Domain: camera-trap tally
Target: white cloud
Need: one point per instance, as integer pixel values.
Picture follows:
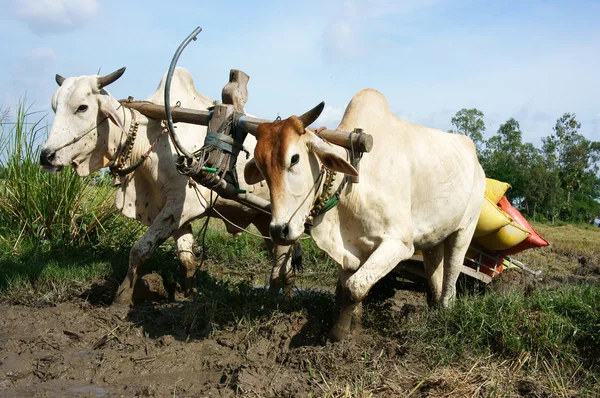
(43, 16)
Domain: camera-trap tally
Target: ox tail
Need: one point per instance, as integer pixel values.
(297, 257)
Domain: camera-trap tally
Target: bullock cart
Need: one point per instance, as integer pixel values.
(213, 166)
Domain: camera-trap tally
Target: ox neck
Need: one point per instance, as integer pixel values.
(125, 152)
(330, 191)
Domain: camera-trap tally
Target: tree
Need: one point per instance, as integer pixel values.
(469, 122)
(505, 158)
(575, 159)
(559, 180)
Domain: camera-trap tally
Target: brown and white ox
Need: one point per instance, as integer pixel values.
(420, 189)
(88, 130)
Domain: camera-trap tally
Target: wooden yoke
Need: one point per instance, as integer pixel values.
(236, 92)
(234, 96)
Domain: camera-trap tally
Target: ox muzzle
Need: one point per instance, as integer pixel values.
(280, 233)
(46, 159)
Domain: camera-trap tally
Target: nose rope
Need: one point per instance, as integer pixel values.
(89, 130)
(77, 138)
(315, 185)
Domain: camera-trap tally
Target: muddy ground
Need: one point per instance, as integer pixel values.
(83, 348)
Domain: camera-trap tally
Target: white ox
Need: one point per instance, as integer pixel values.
(89, 129)
(420, 189)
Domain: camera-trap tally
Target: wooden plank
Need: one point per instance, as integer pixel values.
(474, 274)
(157, 112)
(414, 265)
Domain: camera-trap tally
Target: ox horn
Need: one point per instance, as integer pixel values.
(59, 79)
(309, 117)
(104, 81)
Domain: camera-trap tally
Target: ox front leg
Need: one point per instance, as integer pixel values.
(184, 240)
(282, 272)
(350, 312)
(355, 286)
(165, 224)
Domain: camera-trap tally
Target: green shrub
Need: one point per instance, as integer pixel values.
(59, 210)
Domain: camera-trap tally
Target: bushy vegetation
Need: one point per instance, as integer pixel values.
(59, 210)
(557, 181)
(52, 226)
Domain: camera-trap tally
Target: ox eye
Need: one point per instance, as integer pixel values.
(295, 159)
(82, 108)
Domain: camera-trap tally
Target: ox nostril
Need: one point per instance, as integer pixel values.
(46, 157)
(279, 232)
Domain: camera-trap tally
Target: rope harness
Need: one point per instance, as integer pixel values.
(117, 167)
(217, 158)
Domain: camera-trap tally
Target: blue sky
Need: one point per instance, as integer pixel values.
(531, 60)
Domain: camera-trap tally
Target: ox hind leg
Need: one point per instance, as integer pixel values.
(355, 285)
(433, 261)
(184, 240)
(455, 248)
(165, 224)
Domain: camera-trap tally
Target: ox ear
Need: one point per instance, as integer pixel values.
(252, 174)
(329, 157)
(110, 112)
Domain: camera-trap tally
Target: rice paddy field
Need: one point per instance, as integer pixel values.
(64, 252)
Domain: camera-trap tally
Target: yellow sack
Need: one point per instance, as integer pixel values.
(495, 190)
(491, 218)
(505, 238)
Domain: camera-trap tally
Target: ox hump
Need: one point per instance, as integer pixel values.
(367, 104)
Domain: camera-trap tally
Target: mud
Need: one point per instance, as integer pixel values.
(80, 350)
(162, 347)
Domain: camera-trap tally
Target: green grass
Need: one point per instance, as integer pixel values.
(553, 331)
(59, 210)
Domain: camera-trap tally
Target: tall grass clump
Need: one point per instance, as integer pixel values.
(547, 327)
(59, 210)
